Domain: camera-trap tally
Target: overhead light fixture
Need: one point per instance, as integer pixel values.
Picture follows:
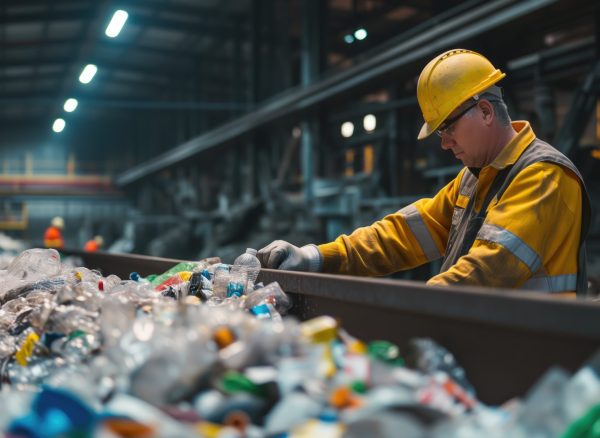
(360, 34)
(116, 23)
(348, 38)
(88, 73)
(58, 125)
(70, 105)
(369, 122)
(347, 129)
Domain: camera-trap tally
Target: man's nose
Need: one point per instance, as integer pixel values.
(447, 142)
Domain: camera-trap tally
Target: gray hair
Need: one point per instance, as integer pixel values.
(494, 96)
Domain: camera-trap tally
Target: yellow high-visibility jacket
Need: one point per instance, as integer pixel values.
(541, 211)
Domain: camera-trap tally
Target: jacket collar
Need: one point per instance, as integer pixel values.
(513, 150)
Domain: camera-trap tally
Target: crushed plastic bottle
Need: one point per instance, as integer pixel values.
(220, 280)
(237, 284)
(272, 295)
(250, 262)
(428, 356)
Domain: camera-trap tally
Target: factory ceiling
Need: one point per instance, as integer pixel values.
(209, 57)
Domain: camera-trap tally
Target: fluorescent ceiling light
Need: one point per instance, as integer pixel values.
(360, 34)
(116, 23)
(58, 125)
(88, 73)
(70, 105)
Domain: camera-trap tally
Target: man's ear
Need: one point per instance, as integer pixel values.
(487, 111)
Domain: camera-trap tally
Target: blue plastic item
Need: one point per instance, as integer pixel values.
(235, 289)
(55, 413)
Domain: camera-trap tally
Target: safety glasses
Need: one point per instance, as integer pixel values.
(446, 126)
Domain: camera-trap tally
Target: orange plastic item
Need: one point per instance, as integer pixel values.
(223, 336)
(238, 420)
(127, 428)
(342, 398)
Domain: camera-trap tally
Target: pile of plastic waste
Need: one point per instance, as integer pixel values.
(9, 248)
(202, 350)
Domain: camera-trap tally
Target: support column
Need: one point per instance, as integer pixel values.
(256, 42)
(311, 64)
(393, 165)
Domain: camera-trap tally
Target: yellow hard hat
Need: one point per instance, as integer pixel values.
(449, 80)
(58, 222)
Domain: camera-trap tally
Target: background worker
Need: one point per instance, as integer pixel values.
(94, 244)
(53, 235)
(515, 216)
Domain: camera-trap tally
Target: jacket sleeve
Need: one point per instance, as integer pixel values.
(408, 238)
(532, 230)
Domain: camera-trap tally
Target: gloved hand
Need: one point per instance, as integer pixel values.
(283, 255)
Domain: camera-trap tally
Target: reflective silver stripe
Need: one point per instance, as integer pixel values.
(510, 241)
(467, 183)
(417, 226)
(555, 283)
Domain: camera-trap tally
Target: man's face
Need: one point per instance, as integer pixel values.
(463, 134)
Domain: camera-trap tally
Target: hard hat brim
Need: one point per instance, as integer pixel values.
(426, 131)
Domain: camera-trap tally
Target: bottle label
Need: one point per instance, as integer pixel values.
(26, 349)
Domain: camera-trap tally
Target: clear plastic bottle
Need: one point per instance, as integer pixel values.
(221, 280)
(252, 264)
(271, 294)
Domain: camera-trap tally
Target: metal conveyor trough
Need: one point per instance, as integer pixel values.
(505, 340)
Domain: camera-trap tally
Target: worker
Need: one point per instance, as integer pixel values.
(516, 216)
(53, 234)
(94, 244)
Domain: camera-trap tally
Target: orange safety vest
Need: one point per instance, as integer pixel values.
(91, 246)
(53, 238)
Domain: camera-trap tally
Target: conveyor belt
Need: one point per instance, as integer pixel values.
(504, 339)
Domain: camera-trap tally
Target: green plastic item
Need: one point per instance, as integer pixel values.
(179, 267)
(359, 387)
(76, 334)
(386, 352)
(150, 277)
(587, 426)
(233, 382)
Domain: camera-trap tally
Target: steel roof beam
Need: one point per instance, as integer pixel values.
(224, 31)
(437, 38)
(217, 14)
(54, 15)
(166, 70)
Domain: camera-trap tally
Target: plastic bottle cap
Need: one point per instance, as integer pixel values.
(261, 309)
(223, 336)
(235, 289)
(340, 397)
(251, 251)
(320, 329)
(234, 382)
(359, 387)
(238, 420)
(328, 416)
(125, 427)
(386, 352)
(357, 347)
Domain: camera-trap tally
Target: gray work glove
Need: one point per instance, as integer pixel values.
(283, 255)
